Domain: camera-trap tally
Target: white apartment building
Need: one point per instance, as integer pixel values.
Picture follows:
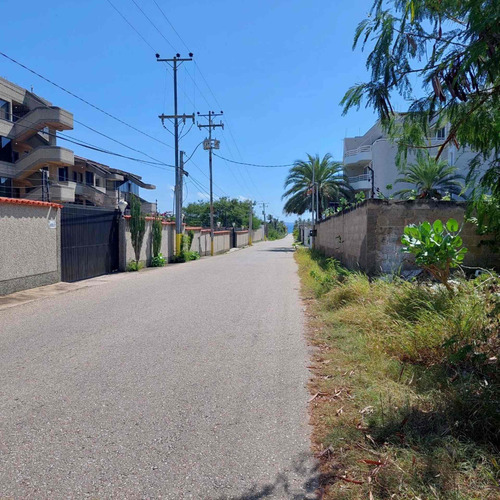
(370, 160)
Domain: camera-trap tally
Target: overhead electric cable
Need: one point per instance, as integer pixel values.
(84, 100)
(254, 164)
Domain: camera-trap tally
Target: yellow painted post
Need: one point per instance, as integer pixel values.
(178, 243)
(212, 247)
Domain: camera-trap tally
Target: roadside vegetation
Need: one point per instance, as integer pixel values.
(406, 387)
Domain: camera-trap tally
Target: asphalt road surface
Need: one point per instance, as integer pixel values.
(182, 382)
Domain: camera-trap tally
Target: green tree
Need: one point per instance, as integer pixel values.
(137, 227)
(451, 49)
(157, 234)
(329, 179)
(431, 178)
(226, 211)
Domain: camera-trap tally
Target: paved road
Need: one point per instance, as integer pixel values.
(182, 382)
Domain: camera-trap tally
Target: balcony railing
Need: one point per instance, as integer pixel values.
(361, 149)
(359, 178)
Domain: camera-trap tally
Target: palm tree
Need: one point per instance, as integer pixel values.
(432, 179)
(328, 177)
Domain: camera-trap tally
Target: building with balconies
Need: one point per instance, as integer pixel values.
(28, 131)
(370, 160)
(33, 166)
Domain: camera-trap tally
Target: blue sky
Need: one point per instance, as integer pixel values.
(278, 70)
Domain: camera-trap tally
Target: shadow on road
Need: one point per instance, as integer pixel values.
(278, 249)
(302, 468)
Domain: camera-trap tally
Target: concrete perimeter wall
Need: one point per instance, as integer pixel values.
(126, 251)
(242, 238)
(258, 234)
(201, 242)
(29, 244)
(368, 238)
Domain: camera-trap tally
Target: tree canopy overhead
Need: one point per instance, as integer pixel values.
(452, 49)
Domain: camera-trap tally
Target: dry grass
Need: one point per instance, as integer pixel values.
(406, 386)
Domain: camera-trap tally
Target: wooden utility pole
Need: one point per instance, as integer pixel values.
(174, 63)
(209, 144)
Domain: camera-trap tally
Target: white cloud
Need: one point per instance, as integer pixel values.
(243, 198)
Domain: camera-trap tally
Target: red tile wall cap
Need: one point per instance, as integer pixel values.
(242, 232)
(222, 232)
(23, 201)
(193, 228)
(205, 230)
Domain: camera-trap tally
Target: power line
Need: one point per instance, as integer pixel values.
(81, 141)
(154, 25)
(132, 26)
(244, 185)
(83, 100)
(254, 164)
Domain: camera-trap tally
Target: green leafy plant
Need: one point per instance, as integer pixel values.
(158, 260)
(437, 247)
(133, 266)
(185, 254)
(359, 197)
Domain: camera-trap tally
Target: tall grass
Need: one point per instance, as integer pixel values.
(422, 368)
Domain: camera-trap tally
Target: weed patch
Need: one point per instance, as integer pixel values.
(406, 386)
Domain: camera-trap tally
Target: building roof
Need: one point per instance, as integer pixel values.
(106, 170)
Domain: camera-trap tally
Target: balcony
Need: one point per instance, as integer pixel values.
(358, 156)
(41, 157)
(361, 182)
(60, 192)
(39, 118)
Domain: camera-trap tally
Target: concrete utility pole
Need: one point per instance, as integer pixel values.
(174, 63)
(264, 205)
(208, 144)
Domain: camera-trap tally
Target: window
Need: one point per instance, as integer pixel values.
(4, 110)
(89, 178)
(63, 174)
(98, 181)
(6, 153)
(451, 157)
(441, 132)
(75, 176)
(129, 187)
(5, 187)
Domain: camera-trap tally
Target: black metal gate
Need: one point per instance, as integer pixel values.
(89, 242)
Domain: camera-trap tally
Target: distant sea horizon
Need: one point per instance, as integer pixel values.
(289, 226)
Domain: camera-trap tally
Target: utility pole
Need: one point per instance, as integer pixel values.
(210, 145)
(174, 63)
(250, 224)
(313, 217)
(264, 205)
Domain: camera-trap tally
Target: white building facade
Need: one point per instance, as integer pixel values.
(370, 160)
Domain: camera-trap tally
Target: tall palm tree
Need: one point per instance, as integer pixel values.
(328, 177)
(432, 179)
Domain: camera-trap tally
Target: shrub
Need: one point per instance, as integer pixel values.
(158, 260)
(157, 234)
(134, 266)
(437, 248)
(186, 255)
(137, 227)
